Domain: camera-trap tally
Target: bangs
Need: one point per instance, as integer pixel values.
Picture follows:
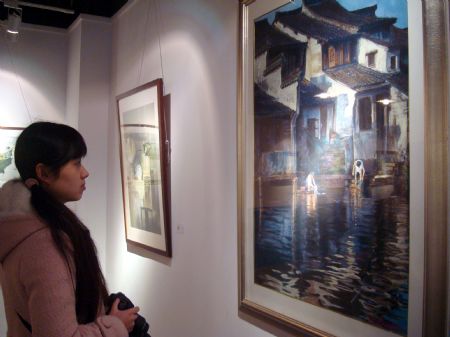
(70, 145)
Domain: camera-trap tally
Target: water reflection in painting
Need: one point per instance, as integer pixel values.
(332, 158)
(342, 250)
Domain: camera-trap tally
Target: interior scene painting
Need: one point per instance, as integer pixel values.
(142, 169)
(332, 157)
(8, 169)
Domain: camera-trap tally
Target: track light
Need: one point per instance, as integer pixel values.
(14, 20)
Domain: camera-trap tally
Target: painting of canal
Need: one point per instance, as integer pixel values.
(331, 157)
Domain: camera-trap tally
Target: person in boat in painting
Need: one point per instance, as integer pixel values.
(311, 185)
(358, 171)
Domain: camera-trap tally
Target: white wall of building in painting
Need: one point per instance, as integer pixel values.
(398, 118)
(366, 47)
(290, 32)
(313, 59)
(271, 83)
(260, 66)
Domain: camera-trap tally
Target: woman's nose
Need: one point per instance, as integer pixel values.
(84, 173)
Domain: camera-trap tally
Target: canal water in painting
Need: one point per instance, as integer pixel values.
(345, 249)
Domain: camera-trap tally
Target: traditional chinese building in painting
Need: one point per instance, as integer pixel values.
(338, 85)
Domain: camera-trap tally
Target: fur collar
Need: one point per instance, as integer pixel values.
(17, 217)
(15, 198)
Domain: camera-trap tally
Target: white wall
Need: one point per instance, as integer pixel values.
(73, 74)
(32, 84)
(91, 104)
(33, 76)
(194, 294)
(64, 78)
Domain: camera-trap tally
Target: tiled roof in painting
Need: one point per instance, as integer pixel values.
(301, 23)
(367, 11)
(290, 77)
(266, 105)
(360, 78)
(266, 37)
(400, 81)
(332, 10)
(398, 39)
(381, 42)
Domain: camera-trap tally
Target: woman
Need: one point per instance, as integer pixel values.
(50, 275)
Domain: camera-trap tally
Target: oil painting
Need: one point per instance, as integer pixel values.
(144, 167)
(330, 158)
(8, 137)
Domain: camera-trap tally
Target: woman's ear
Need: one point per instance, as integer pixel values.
(43, 173)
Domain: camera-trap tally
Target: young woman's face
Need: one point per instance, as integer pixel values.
(70, 184)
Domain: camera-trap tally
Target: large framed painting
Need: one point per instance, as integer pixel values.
(8, 137)
(144, 154)
(331, 134)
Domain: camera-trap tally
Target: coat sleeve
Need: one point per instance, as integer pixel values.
(50, 295)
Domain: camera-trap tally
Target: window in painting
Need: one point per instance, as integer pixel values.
(347, 53)
(393, 63)
(371, 59)
(331, 57)
(312, 125)
(340, 54)
(365, 114)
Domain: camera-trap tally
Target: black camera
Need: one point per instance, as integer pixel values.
(140, 324)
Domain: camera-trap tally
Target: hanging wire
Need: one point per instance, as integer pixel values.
(158, 24)
(145, 43)
(14, 69)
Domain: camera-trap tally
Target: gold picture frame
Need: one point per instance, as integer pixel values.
(428, 134)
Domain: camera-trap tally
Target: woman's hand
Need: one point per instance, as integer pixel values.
(127, 316)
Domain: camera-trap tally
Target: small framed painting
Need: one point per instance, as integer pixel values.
(144, 155)
(8, 137)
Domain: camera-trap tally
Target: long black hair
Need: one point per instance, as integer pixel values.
(54, 145)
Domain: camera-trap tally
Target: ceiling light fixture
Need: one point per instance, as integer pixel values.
(15, 14)
(14, 20)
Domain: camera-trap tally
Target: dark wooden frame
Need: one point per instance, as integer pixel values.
(435, 14)
(164, 151)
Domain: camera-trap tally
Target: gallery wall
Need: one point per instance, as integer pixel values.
(87, 109)
(32, 84)
(193, 46)
(64, 78)
(33, 76)
(195, 292)
(73, 77)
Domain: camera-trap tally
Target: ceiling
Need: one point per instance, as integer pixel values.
(45, 17)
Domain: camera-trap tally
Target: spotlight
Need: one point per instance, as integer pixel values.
(14, 20)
